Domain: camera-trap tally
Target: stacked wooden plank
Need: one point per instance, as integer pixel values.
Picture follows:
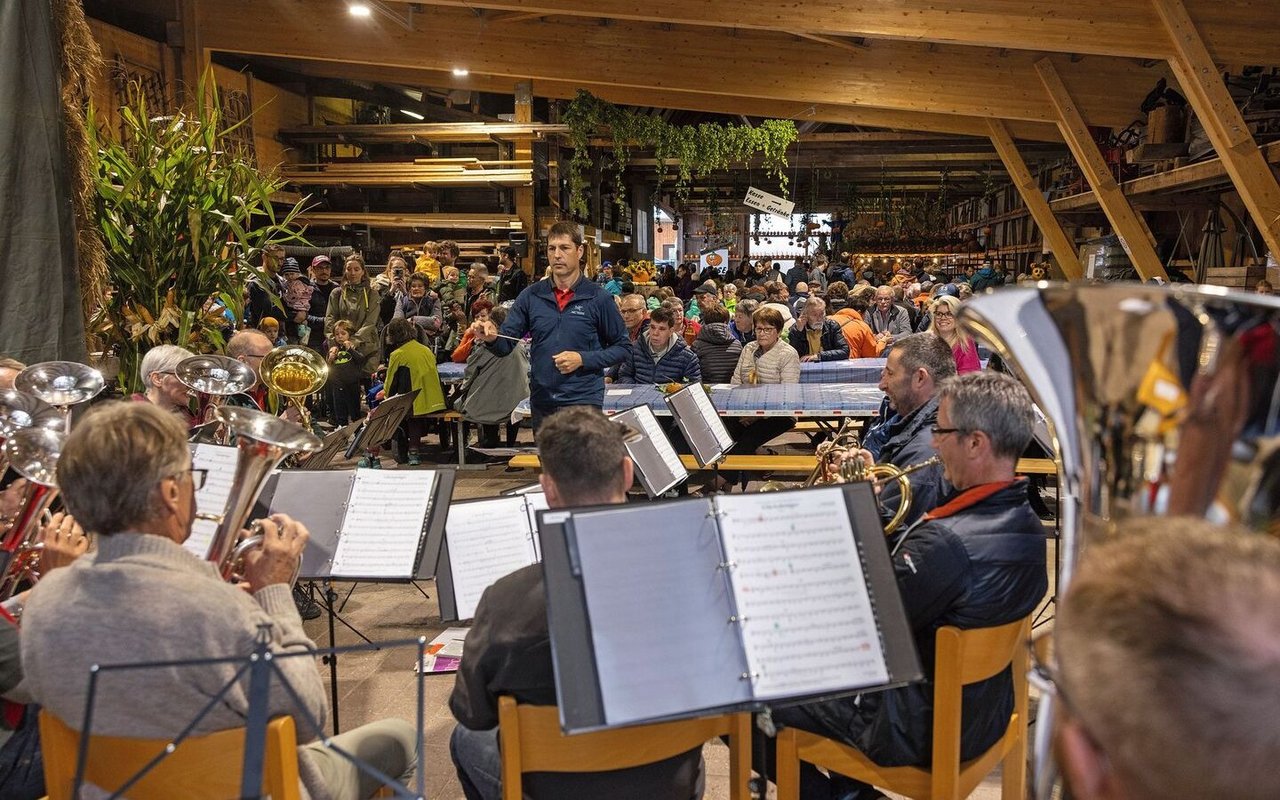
(448, 172)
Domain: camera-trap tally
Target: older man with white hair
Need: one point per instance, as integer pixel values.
(815, 337)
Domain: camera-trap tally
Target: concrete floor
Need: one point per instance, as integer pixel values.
(380, 684)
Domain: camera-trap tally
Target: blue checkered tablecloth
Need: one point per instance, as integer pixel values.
(854, 370)
(450, 372)
(774, 400)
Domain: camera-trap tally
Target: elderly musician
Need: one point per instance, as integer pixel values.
(976, 560)
(508, 650)
(126, 474)
(161, 386)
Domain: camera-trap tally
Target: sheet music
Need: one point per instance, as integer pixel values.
(220, 461)
(487, 540)
(808, 623)
(703, 429)
(659, 607)
(657, 461)
(384, 523)
(533, 503)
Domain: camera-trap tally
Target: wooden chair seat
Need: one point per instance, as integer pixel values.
(801, 464)
(963, 657)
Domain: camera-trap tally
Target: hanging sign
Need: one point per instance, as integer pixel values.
(769, 203)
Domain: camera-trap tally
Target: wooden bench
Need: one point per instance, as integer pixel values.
(802, 464)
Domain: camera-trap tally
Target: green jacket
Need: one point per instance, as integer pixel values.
(423, 376)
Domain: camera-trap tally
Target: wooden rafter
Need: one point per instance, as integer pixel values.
(841, 44)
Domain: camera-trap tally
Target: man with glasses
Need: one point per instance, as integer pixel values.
(977, 560)
(1166, 653)
(125, 473)
(635, 315)
(250, 347)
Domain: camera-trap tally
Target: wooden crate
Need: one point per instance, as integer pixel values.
(1235, 277)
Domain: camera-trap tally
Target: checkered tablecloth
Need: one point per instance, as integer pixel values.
(855, 370)
(450, 372)
(813, 400)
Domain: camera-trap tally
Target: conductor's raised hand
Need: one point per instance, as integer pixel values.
(283, 540)
(484, 330)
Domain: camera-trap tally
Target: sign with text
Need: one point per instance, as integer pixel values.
(769, 203)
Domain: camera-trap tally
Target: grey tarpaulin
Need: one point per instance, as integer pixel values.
(40, 316)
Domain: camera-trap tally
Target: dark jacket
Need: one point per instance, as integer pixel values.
(986, 278)
(910, 442)
(263, 299)
(679, 364)
(512, 283)
(979, 567)
(508, 651)
(717, 352)
(795, 275)
(743, 337)
(315, 315)
(834, 346)
(590, 325)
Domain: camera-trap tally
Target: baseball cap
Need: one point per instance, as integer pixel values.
(707, 287)
(318, 260)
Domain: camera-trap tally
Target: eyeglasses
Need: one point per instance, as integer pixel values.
(198, 477)
(936, 431)
(766, 329)
(943, 314)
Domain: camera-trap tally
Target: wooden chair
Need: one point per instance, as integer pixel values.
(532, 742)
(201, 767)
(963, 657)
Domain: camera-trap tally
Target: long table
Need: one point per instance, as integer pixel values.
(852, 370)
(810, 400)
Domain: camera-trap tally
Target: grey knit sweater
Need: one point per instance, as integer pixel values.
(144, 598)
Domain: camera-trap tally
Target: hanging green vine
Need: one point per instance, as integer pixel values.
(701, 149)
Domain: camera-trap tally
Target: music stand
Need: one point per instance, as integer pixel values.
(334, 443)
(382, 422)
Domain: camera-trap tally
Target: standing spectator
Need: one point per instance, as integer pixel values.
(986, 277)
(660, 356)
(887, 320)
(265, 290)
(817, 338)
(356, 302)
(798, 273)
(412, 366)
(296, 296)
(492, 387)
(512, 279)
(686, 283)
(318, 305)
(717, 350)
(419, 307)
(343, 386)
(817, 278)
(447, 253)
(577, 330)
(963, 348)
(394, 287)
(270, 327)
(742, 327)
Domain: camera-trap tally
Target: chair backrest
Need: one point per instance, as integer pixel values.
(533, 742)
(965, 657)
(206, 766)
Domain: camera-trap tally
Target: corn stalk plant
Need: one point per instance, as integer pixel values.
(183, 221)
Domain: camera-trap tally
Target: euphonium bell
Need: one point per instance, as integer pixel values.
(60, 383)
(33, 453)
(20, 410)
(294, 371)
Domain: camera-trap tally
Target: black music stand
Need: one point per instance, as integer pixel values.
(381, 424)
(334, 444)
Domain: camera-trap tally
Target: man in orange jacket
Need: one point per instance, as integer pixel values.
(862, 342)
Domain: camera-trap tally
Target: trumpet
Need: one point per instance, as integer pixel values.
(293, 371)
(263, 441)
(212, 379)
(33, 453)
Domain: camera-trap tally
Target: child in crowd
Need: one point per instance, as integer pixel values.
(270, 327)
(344, 374)
(296, 297)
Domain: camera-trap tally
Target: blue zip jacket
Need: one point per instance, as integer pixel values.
(678, 365)
(590, 325)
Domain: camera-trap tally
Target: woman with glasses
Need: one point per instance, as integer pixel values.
(943, 325)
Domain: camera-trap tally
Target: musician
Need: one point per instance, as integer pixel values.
(976, 560)
(251, 346)
(161, 386)
(1164, 664)
(125, 472)
(916, 366)
(9, 369)
(508, 651)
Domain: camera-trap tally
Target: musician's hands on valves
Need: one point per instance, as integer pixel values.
(283, 540)
(63, 541)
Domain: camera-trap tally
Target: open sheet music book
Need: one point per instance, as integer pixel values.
(657, 463)
(485, 540)
(668, 610)
(701, 425)
(220, 462)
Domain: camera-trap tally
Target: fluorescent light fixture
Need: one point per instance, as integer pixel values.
(361, 10)
(604, 244)
(413, 114)
(459, 72)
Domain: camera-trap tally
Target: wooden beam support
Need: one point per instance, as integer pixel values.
(839, 44)
(1199, 78)
(1129, 226)
(1063, 248)
(517, 16)
(524, 150)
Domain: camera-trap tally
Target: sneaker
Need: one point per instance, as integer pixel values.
(307, 608)
(414, 461)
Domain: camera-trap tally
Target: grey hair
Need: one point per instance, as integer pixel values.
(815, 302)
(161, 358)
(582, 452)
(747, 306)
(924, 350)
(113, 460)
(993, 403)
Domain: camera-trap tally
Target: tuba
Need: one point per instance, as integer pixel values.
(294, 371)
(212, 379)
(61, 384)
(33, 453)
(1159, 400)
(263, 441)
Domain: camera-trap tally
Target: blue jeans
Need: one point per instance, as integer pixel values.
(478, 761)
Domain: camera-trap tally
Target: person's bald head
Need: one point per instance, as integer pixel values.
(9, 369)
(249, 346)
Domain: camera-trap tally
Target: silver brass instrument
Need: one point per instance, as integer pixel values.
(1160, 400)
(61, 384)
(213, 379)
(263, 441)
(33, 453)
(20, 410)
(294, 371)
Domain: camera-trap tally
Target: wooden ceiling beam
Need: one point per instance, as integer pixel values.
(894, 75)
(1234, 32)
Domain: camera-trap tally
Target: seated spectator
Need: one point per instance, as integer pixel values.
(660, 356)
(161, 386)
(480, 311)
(412, 366)
(741, 326)
(857, 334)
(1262, 287)
(776, 297)
(635, 315)
(706, 293)
(1163, 665)
(817, 338)
(730, 291)
(492, 387)
(963, 348)
(717, 350)
(887, 320)
(798, 299)
(686, 328)
(767, 359)
(419, 307)
(427, 265)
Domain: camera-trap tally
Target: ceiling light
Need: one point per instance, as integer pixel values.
(361, 10)
(459, 72)
(413, 114)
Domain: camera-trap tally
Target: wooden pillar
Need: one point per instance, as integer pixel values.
(1135, 236)
(1200, 80)
(195, 58)
(524, 152)
(1059, 244)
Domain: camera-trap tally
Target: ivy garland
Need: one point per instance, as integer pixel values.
(701, 149)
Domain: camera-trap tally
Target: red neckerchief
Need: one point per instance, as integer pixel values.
(563, 296)
(969, 497)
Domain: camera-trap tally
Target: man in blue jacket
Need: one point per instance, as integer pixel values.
(576, 329)
(660, 356)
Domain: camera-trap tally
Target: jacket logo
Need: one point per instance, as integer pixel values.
(577, 311)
